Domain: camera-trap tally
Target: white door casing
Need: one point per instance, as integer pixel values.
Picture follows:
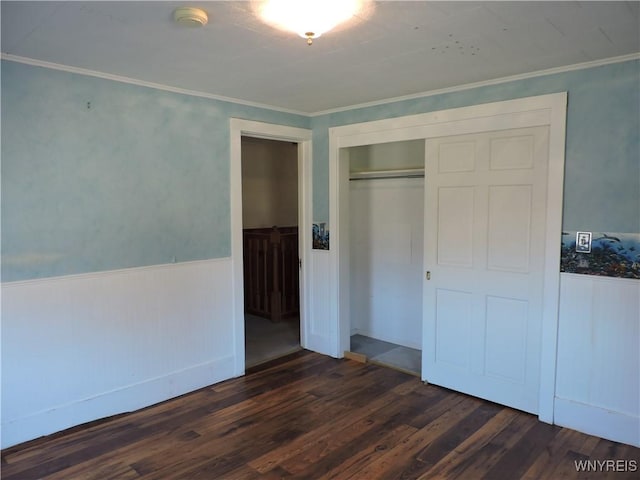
(546, 111)
(485, 211)
(302, 137)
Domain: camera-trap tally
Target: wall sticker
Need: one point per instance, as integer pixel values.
(320, 236)
(611, 255)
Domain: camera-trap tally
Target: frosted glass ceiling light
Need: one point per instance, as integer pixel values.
(308, 18)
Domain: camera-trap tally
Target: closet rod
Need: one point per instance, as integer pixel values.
(383, 174)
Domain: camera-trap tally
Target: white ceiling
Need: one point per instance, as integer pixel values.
(403, 48)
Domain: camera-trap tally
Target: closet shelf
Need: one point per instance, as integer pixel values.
(381, 174)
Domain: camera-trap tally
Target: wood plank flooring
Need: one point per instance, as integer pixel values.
(308, 416)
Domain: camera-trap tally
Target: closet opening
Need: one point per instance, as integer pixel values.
(270, 248)
(386, 229)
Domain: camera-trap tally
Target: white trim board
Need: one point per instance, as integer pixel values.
(486, 83)
(526, 112)
(302, 137)
(142, 83)
(428, 93)
(117, 271)
(121, 400)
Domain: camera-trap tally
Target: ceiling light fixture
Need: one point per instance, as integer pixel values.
(190, 16)
(308, 18)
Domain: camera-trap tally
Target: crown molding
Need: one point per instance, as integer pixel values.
(143, 83)
(428, 93)
(496, 81)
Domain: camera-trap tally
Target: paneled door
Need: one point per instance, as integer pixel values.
(485, 204)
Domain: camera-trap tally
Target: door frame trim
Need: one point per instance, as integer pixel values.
(550, 110)
(239, 128)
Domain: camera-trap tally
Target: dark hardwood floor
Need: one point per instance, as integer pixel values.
(308, 416)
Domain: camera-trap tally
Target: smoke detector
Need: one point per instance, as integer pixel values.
(190, 16)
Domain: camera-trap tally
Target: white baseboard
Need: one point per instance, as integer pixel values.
(122, 400)
(616, 426)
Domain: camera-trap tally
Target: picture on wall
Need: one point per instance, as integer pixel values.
(320, 236)
(610, 254)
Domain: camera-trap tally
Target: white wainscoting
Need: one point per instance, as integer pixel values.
(83, 347)
(321, 333)
(598, 369)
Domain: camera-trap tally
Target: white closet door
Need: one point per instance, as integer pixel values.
(484, 251)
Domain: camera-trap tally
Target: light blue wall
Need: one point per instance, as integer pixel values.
(142, 176)
(602, 175)
(138, 177)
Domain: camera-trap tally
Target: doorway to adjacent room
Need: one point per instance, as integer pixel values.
(270, 248)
